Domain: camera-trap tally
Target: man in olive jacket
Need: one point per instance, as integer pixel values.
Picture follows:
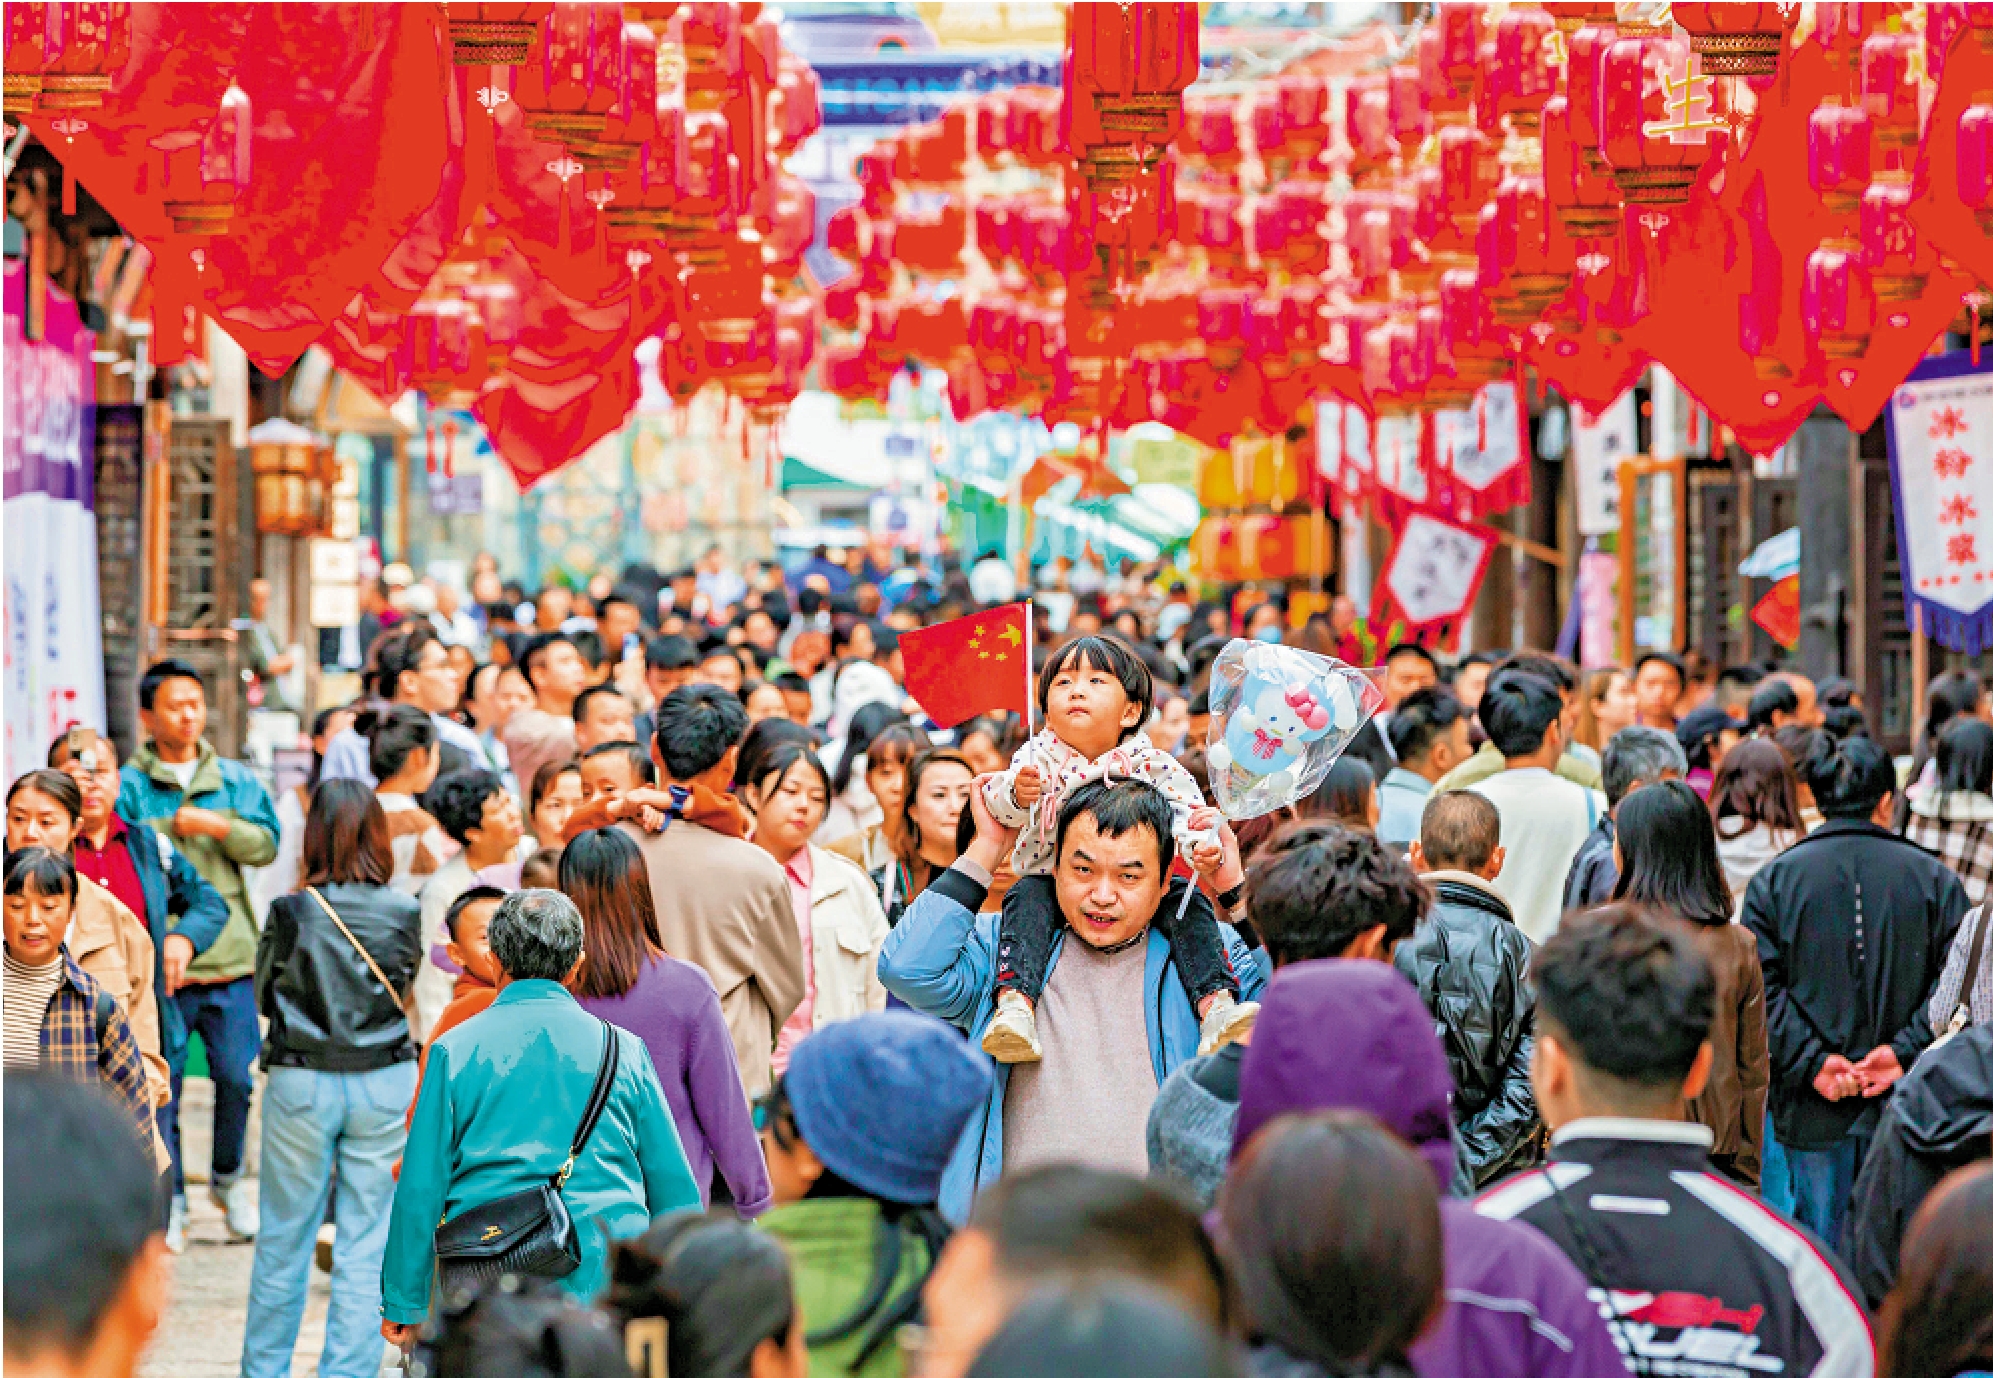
(221, 819)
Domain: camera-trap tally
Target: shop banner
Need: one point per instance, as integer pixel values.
(1940, 422)
(1432, 577)
(54, 630)
(1599, 445)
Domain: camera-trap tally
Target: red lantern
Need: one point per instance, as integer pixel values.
(1467, 171)
(1734, 39)
(1975, 159)
(1836, 301)
(708, 33)
(1894, 254)
(1457, 59)
(1889, 88)
(1583, 199)
(1222, 313)
(1527, 248)
(494, 35)
(1134, 61)
(632, 114)
(567, 95)
(1211, 132)
(1943, 20)
(724, 295)
(25, 55)
(1476, 347)
(1837, 154)
(83, 43)
(1582, 75)
(1839, 26)
(795, 105)
(1656, 113)
(1367, 123)
(1523, 78)
(1411, 121)
(202, 186)
(1572, 15)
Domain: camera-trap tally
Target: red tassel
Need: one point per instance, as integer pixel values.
(429, 449)
(68, 192)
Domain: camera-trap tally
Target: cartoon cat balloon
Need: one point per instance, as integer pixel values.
(1279, 718)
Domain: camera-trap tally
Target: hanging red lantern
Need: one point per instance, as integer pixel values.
(1522, 77)
(83, 43)
(1942, 23)
(1889, 88)
(204, 179)
(1211, 133)
(1457, 58)
(1840, 26)
(632, 114)
(1974, 159)
(724, 295)
(1468, 172)
(1836, 300)
(1657, 113)
(1583, 72)
(1584, 200)
(708, 33)
(1367, 124)
(1411, 120)
(792, 227)
(1474, 345)
(1734, 39)
(1837, 154)
(1895, 255)
(494, 35)
(25, 53)
(566, 95)
(1134, 60)
(1527, 248)
(1572, 15)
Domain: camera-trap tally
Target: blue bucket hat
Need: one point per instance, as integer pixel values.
(882, 1100)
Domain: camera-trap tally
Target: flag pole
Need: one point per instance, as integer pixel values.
(1030, 622)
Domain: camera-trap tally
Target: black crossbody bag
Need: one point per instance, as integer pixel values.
(529, 1231)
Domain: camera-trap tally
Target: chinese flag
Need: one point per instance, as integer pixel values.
(975, 664)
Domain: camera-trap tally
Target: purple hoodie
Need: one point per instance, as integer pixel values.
(675, 1011)
(1354, 1035)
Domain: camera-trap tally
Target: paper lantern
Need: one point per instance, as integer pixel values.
(1836, 300)
(25, 53)
(203, 179)
(709, 35)
(1837, 154)
(1527, 247)
(1584, 199)
(1582, 74)
(494, 35)
(1943, 21)
(1840, 26)
(1734, 39)
(1889, 88)
(1897, 260)
(566, 95)
(1473, 344)
(724, 295)
(1522, 77)
(1974, 158)
(1457, 56)
(1572, 15)
(1468, 173)
(1367, 123)
(1411, 120)
(1211, 132)
(1656, 115)
(1134, 60)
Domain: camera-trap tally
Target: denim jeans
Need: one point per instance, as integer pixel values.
(1775, 1185)
(224, 1015)
(1822, 1181)
(314, 1122)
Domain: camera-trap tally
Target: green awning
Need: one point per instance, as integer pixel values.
(797, 475)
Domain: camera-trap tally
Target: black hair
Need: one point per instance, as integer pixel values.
(1517, 709)
(536, 648)
(1562, 675)
(1774, 696)
(1835, 691)
(1345, 794)
(866, 723)
(158, 673)
(719, 1287)
(40, 871)
(1669, 659)
(525, 1328)
(1421, 719)
(1073, 1221)
(619, 594)
(456, 801)
(477, 894)
(1337, 1245)
(884, 641)
(1844, 720)
(1848, 778)
(589, 695)
(776, 763)
(396, 653)
(56, 784)
(1108, 653)
(1107, 1329)
(74, 1237)
(1700, 730)
(789, 682)
(670, 653)
(1316, 888)
(1459, 831)
(641, 765)
(1116, 806)
(1628, 994)
(1667, 846)
(762, 738)
(1411, 648)
(589, 647)
(1965, 757)
(697, 725)
(394, 732)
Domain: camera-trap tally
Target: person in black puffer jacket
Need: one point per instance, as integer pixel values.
(1471, 965)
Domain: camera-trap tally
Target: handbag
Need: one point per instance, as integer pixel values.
(527, 1231)
(1961, 1015)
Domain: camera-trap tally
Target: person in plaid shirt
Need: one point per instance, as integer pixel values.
(1953, 820)
(52, 1013)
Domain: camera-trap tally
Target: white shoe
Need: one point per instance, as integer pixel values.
(237, 1201)
(1012, 1035)
(1227, 1021)
(176, 1227)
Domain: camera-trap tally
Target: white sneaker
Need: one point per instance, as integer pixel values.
(1227, 1021)
(1012, 1035)
(176, 1227)
(237, 1201)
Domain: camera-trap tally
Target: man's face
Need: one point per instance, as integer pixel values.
(862, 646)
(1452, 746)
(610, 718)
(499, 825)
(1406, 675)
(259, 599)
(1809, 713)
(720, 668)
(1469, 684)
(1108, 887)
(797, 703)
(618, 621)
(561, 670)
(432, 685)
(555, 606)
(760, 629)
(471, 948)
(1657, 689)
(515, 695)
(179, 714)
(662, 682)
(606, 777)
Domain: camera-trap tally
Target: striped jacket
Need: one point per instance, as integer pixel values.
(86, 1037)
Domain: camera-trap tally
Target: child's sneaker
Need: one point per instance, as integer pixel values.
(1227, 1021)
(1013, 1032)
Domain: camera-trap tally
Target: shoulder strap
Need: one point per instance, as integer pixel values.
(598, 1098)
(365, 955)
(1972, 957)
(101, 1010)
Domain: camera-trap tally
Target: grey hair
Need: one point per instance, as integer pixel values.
(536, 935)
(1640, 756)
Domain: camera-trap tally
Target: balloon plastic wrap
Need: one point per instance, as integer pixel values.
(1279, 718)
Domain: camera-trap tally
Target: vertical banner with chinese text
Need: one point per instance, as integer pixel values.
(1940, 422)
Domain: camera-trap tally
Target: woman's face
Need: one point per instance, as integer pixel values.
(334, 725)
(1616, 708)
(938, 803)
(887, 779)
(515, 695)
(983, 753)
(556, 806)
(789, 811)
(36, 926)
(1173, 721)
(766, 702)
(35, 820)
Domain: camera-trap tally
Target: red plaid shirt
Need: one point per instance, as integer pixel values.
(70, 1044)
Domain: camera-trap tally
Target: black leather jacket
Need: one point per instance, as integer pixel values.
(327, 1009)
(1471, 965)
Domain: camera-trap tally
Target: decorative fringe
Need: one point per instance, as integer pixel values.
(1967, 632)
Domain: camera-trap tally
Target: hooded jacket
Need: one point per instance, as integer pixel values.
(1940, 1118)
(1354, 1035)
(1471, 965)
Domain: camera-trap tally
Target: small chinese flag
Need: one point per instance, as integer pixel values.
(975, 664)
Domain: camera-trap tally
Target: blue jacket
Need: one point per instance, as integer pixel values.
(177, 900)
(941, 960)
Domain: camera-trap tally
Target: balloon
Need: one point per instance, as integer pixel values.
(1279, 718)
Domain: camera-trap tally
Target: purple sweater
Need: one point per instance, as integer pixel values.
(674, 1009)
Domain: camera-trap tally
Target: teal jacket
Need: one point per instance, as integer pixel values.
(501, 1098)
(149, 794)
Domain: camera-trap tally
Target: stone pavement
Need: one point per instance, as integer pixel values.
(202, 1333)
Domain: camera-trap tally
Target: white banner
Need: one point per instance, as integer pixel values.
(1941, 441)
(1598, 446)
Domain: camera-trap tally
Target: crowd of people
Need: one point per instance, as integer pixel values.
(643, 983)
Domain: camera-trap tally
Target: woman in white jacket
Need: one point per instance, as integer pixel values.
(837, 912)
(1755, 802)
